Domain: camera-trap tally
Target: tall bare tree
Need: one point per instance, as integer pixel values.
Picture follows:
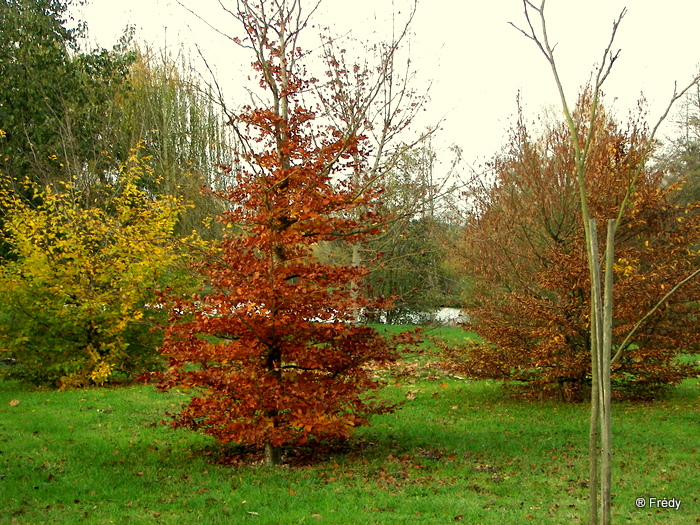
(601, 287)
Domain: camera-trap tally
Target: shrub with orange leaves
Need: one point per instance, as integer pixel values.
(524, 249)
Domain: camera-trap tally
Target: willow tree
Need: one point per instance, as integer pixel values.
(166, 108)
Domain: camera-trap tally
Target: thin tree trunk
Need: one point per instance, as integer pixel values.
(593, 457)
(355, 290)
(596, 398)
(601, 351)
(593, 436)
(606, 404)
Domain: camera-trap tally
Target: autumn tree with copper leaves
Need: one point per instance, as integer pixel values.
(270, 347)
(523, 249)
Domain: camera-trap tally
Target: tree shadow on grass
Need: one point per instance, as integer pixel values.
(311, 454)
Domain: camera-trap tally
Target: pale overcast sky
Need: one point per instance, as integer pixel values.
(476, 61)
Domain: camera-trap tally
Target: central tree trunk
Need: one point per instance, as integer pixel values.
(273, 455)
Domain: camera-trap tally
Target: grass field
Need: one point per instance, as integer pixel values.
(456, 451)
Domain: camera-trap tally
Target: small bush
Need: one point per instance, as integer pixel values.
(76, 292)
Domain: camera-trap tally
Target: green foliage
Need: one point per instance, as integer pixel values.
(71, 114)
(53, 100)
(683, 153)
(164, 107)
(408, 257)
(79, 297)
(413, 267)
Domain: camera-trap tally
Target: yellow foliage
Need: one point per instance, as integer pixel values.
(625, 267)
(83, 277)
(101, 372)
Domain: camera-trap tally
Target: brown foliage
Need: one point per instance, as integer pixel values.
(270, 347)
(524, 250)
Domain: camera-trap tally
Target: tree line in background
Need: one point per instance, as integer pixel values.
(84, 130)
(132, 198)
(75, 116)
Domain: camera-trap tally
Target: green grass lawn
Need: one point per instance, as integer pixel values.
(457, 450)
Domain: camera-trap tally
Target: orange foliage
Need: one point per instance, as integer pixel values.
(524, 249)
(270, 347)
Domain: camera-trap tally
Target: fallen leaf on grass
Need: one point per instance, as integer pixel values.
(486, 468)
(411, 394)
(14, 402)
(317, 516)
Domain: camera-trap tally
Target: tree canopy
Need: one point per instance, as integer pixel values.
(531, 295)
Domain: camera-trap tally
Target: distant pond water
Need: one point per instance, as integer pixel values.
(441, 316)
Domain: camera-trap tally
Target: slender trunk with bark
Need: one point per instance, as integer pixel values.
(601, 351)
(596, 365)
(606, 403)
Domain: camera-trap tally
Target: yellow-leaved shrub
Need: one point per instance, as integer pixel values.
(80, 287)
